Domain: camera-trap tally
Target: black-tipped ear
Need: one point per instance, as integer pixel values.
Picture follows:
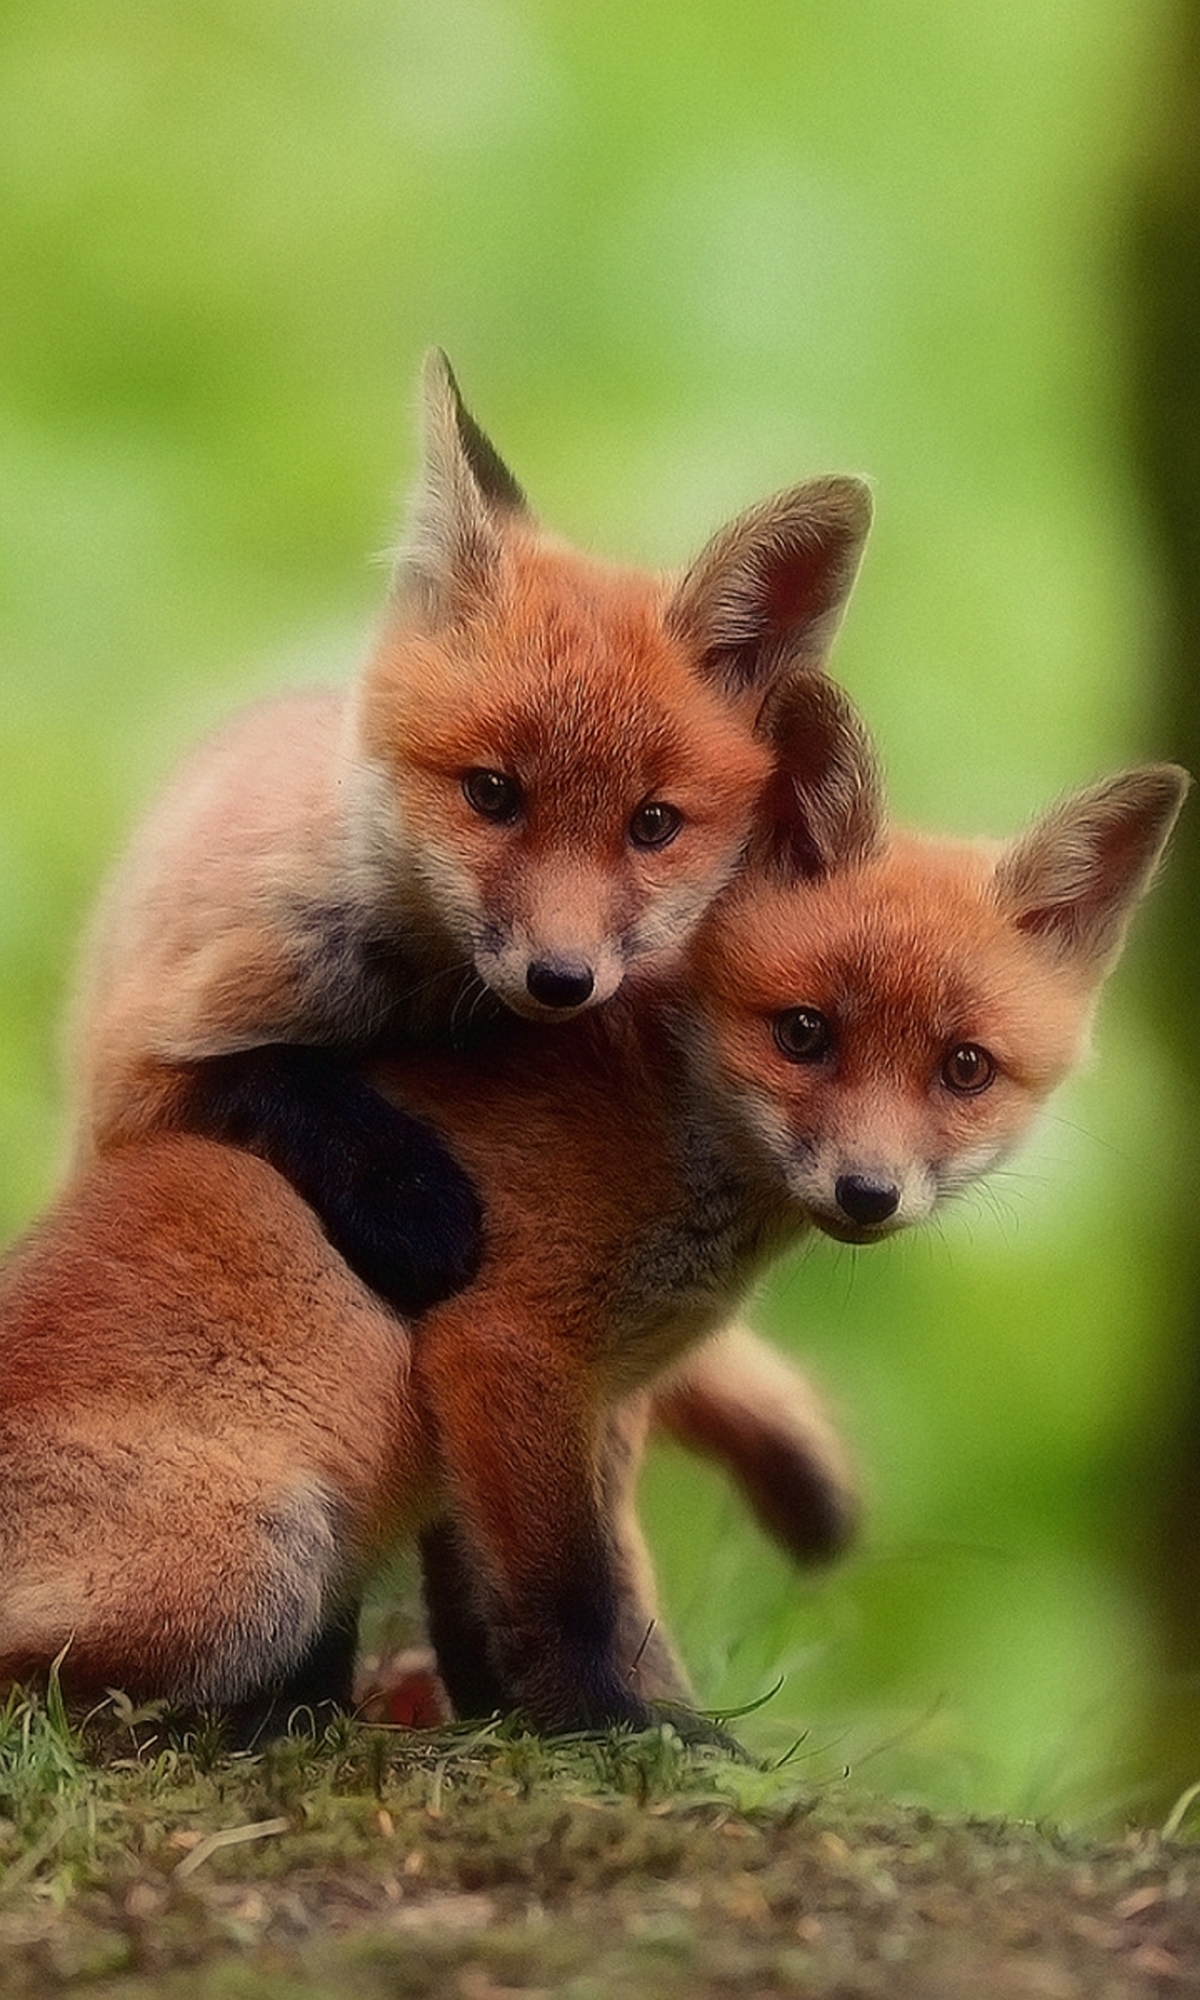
(463, 497)
(824, 807)
(766, 595)
(445, 407)
(1076, 876)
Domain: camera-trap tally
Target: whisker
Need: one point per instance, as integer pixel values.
(451, 971)
(481, 998)
(473, 995)
(1093, 1138)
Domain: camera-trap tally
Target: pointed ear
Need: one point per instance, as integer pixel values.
(1076, 876)
(823, 809)
(767, 594)
(464, 496)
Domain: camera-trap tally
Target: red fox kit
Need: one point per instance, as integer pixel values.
(208, 1428)
(546, 771)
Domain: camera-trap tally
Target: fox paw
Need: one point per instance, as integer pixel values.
(404, 1690)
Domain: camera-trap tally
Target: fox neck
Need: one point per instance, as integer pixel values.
(693, 1264)
(688, 1271)
(416, 974)
(722, 1161)
(730, 1186)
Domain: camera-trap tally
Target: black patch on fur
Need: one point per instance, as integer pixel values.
(552, 1658)
(798, 1501)
(392, 1199)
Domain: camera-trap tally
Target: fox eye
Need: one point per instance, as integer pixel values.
(491, 794)
(655, 824)
(968, 1069)
(803, 1035)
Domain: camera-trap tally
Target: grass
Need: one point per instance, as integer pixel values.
(481, 1862)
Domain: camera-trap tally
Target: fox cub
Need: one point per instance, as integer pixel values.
(544, 774)
(209, 1428)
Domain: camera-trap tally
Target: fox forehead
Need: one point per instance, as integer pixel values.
(565, 677)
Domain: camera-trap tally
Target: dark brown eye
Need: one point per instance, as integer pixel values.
(655, 824)
(803, 1035)
(968, 1069)
(492, 795)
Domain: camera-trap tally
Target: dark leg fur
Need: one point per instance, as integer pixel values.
(458, 1631)
(568, 1675)
(563, 1660)
(568, 1678)
(797, 1500)
(394, 1202)
(320, 1686)
(560, 1673)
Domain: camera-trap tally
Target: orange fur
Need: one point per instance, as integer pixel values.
(206, 1429)
(322, 870)
(316, 873)
(638, 1169)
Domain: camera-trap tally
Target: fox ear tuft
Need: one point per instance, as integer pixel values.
(464, 496)
(766, 596)
(1076, 876)
(453, 437)
(823, 808)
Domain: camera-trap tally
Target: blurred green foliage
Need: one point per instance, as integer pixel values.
(680, 257)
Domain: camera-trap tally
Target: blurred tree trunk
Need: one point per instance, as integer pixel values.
(1165, 302)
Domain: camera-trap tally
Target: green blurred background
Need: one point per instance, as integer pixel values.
(681, 256)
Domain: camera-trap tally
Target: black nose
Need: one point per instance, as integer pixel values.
(865, 1200)
(560, 982)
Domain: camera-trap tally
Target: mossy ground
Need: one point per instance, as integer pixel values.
(479, 1864)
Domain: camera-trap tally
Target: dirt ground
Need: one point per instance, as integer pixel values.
(479, 1870)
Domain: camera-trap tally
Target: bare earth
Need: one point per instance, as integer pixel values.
(378, 1863)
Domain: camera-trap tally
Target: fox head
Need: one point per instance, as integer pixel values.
(886, 1013)
(556, 763)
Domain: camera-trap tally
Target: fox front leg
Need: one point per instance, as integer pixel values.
(456, 1610)
(456, 1618)
(521, 1444)
(393, 1201)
